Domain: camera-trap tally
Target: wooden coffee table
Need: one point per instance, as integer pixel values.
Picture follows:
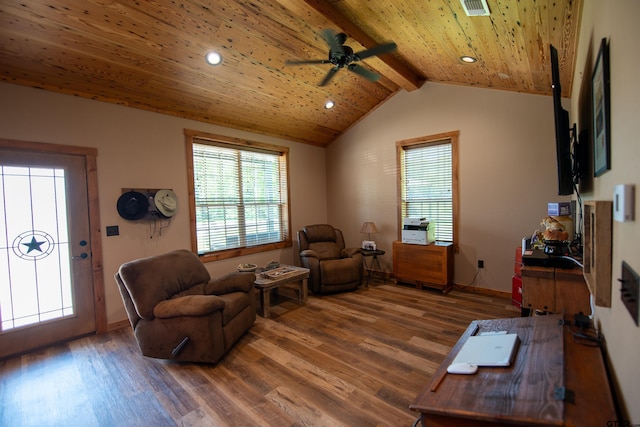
(279, 276)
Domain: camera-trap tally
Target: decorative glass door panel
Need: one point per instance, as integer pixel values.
(35, 246)
(46, 291)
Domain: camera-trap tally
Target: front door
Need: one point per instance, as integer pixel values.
(46, 282)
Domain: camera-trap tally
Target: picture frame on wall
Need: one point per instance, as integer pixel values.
(601, 117)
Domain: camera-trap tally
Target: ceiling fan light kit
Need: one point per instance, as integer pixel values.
(342, 56)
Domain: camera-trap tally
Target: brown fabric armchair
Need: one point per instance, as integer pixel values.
(332, 267)
(178, 312)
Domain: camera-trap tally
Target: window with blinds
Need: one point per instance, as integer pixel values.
(428, 168)
(240, 196)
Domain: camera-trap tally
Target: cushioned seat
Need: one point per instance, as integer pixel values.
(332, 267)
(178, 312)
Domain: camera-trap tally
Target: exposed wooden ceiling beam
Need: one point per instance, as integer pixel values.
(398, 72)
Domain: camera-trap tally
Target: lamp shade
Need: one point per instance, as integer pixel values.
(369, 228)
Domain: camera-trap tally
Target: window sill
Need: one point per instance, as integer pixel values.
(237, 252)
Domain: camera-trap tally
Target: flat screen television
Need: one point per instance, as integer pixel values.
(563, 132)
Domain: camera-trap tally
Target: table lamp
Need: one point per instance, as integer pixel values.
(369, 228)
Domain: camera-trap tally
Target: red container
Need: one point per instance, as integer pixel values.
(516, 291)
(518, 261)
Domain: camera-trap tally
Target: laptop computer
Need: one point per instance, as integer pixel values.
(493, 349)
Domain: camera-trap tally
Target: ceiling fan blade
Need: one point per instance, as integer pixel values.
(361, 71)
(329, 76)
(329, 36)
(307, 61)
(377, 50)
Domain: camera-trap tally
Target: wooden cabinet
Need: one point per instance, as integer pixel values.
(556, 290)
(424, 265)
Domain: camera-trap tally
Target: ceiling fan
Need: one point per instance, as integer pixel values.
(341, 56)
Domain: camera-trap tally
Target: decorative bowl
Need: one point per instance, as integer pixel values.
(247, 267)
(272, 265)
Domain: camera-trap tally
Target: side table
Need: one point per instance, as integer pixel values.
(374, 261)
(288, 274)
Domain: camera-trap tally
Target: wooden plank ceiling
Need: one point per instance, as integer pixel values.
(150, 54)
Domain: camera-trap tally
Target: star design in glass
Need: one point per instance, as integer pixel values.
(34, 245)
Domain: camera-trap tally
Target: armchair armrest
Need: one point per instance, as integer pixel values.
(191, 305)
(232, 282)
(308, 253)
(309, 259)
(350, 252)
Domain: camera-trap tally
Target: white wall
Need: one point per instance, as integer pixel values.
(617, 21)
(507, 171)
(141, 149)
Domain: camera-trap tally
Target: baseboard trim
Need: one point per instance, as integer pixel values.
(118, 325)
(483, 291)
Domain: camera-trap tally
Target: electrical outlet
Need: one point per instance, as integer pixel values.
(480, 263)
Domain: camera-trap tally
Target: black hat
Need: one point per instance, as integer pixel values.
(133, 205)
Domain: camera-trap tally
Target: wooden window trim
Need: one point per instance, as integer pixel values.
(190, 136)
(402, 145)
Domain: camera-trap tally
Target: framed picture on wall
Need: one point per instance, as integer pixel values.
(601, 118)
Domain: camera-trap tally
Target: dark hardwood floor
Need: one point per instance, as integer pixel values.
(353, 359)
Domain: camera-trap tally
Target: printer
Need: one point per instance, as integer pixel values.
(418, 231)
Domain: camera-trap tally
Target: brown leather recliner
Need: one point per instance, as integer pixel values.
(333, 268)
(178, 312)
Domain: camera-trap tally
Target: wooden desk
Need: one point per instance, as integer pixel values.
(524, 393)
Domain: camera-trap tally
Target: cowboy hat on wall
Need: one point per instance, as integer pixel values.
(166, 203)
(135, 204)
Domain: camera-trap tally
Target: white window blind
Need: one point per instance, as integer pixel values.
(240, 197)
(428, 186)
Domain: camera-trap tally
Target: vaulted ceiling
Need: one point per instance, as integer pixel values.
(150, 54)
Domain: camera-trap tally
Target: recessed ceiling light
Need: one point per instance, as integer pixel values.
(329, 104)
(213, 58)
(468, 59)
